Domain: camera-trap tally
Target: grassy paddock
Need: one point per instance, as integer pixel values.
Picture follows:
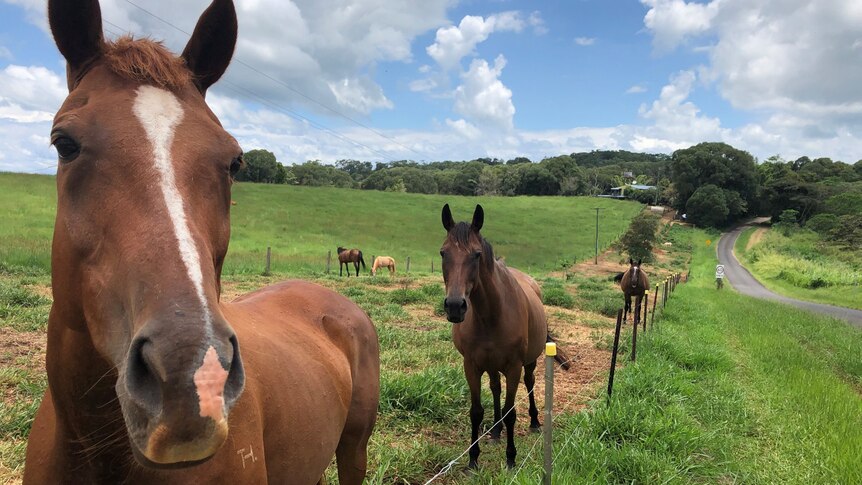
(302, 224)
(800, 267)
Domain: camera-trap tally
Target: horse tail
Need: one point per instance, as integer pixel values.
(361, 260)
(562, 358)
(619, 276)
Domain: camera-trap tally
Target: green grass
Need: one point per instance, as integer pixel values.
(302, 224)
(801, 267)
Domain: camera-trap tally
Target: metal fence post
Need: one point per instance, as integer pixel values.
(614, 354)
(550, 352)
(654, 301)
(328, 260)
(645, 308)
(635, 340)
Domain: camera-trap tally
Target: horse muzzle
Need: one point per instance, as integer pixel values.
(176, 396)
(456, 309)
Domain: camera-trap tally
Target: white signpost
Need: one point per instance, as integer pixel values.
(719, 271)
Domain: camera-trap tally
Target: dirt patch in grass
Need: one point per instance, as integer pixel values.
(756, 237)
(24, 350)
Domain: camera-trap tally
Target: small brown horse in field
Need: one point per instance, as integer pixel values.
(499, 325)
(346, 256)
(383, 262)
(151, 378)
(634, 282)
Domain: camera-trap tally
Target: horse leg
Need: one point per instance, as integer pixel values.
(351, 454)
(494, 377)
(530, 381)
(356, 265)
(628, 308)
(340, 265)
(637, 311)
(513, 378)
(474, 378)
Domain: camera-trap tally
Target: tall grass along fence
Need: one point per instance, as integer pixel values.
(666, 289)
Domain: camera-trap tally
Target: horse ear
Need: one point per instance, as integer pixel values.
(448, 222)
(631, 262)
(639, 262)
(77, 30)
(210, 48)
(478, 217)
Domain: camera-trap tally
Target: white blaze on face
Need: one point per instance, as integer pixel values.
(160, 112)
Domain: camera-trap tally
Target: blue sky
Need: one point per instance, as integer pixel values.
(440, 79)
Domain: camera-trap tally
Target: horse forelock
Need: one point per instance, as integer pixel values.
(460, 235)
(146, 61)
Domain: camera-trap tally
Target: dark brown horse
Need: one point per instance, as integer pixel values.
(151, 378)
(634, 282)
(500, 325)
(346, 256)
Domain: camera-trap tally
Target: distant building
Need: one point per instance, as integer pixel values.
(619, 192)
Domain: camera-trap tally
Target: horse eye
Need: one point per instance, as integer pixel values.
(235, 165)
(67, 148)
(477, 254)
(442, 254)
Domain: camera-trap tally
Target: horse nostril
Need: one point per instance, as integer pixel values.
(463, 305)
(142, 381)
(236, 375)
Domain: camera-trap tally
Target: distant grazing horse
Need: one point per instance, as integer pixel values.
(151, 378)
(349, 256)
(383, 262)
(634, 282)
(500, 325)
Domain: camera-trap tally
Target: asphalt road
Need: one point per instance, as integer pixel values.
(743, 282)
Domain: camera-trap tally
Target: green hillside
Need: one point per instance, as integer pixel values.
(302, 223)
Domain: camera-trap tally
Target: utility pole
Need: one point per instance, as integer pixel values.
(597, 235)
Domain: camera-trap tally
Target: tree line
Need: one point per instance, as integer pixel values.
(714, 184)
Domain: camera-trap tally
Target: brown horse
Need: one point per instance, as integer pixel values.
(634, 282)
(383, 262)
(500, 325)
(346, 256)
(146, 380)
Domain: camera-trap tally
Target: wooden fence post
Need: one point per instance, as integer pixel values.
(266, 272)
(328, 260)
(550, 352)
(408, 264)
(432, 265)
(614, 354)
(635, 340)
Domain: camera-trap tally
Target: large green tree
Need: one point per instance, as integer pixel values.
(728, 169)
(707, 206)
(261, 166)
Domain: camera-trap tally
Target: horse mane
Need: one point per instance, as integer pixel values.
(147, 61)
(460, 233)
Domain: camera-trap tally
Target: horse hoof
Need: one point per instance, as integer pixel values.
(510, 464)
(472, 467)
(494, 438)
(536, 429)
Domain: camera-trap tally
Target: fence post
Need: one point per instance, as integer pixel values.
(432, 265)
(328, 260)
(408, 264)
(664, 294)
(654, 301)
(266, 272)
(645, 308)
(550, 352)
(614, 354)
(635, 340)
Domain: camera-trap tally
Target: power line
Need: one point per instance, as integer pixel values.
(291, 88)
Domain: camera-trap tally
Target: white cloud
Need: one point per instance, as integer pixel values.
(585, 41)
(452, 43)
(673, 21)
(464, 128)
(636, 89)
(537, 23)
(483, 98)
(30, 94)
